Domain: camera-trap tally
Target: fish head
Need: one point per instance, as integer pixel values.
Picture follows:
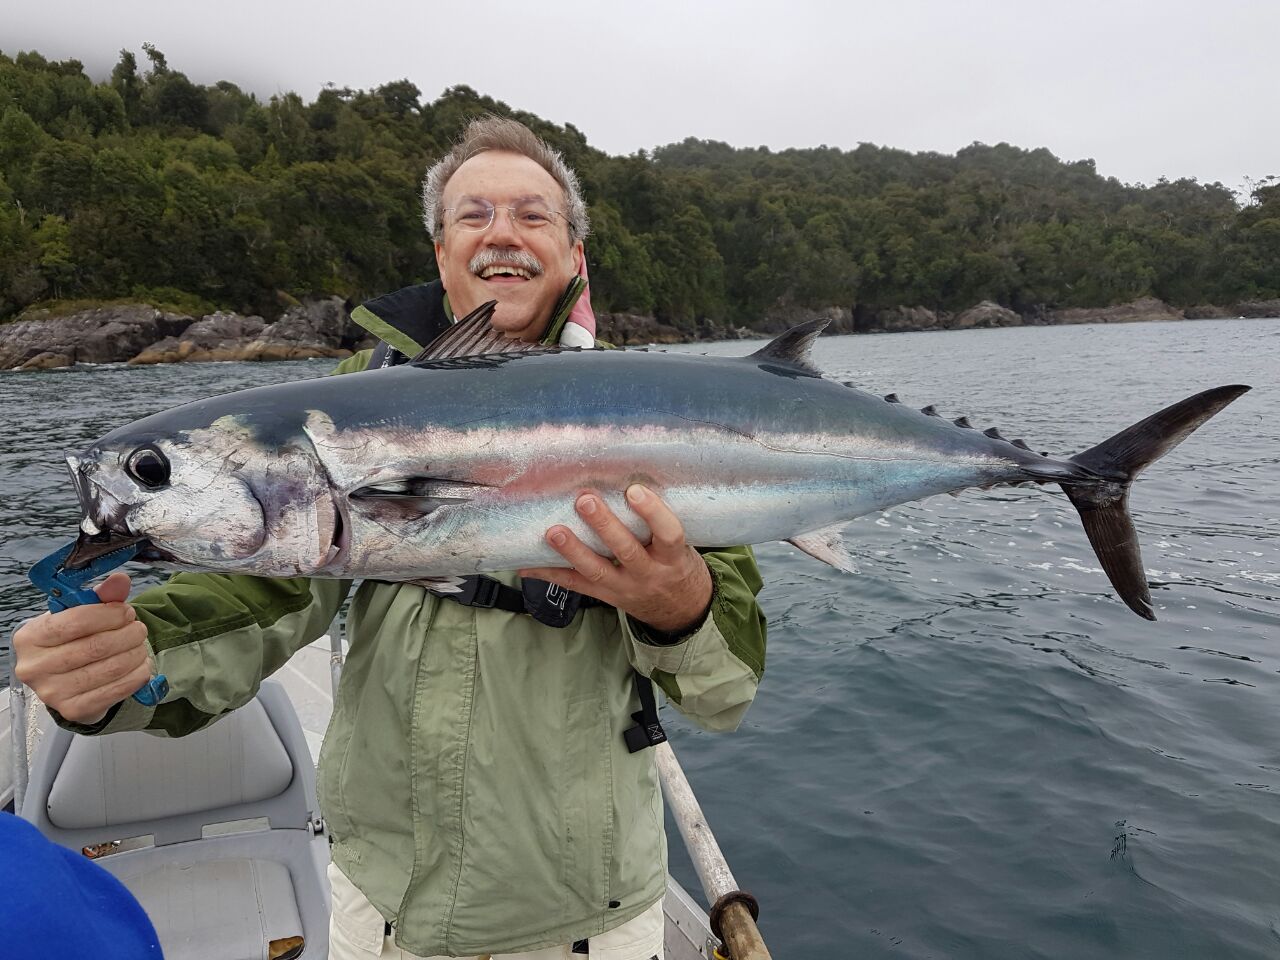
(214, 498)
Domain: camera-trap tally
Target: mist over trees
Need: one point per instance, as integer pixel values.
(149, 186)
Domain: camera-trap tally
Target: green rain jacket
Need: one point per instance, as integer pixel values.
(474, 777)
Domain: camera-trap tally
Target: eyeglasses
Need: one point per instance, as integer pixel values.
(476, 214)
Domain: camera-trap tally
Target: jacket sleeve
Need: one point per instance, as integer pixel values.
(216, 637)
(711, 675)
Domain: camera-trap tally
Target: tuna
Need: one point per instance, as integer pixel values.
(452, 465)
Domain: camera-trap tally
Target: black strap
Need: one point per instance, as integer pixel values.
(488, 594)
(548, 603)
(648, 730)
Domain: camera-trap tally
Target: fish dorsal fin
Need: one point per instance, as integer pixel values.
(794, 346)
(828, 546)
(472, 336)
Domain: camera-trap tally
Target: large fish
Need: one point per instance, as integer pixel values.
(458, 465)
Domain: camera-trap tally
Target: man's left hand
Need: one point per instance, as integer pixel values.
(665, 585)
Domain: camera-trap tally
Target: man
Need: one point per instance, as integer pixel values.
(480, 778)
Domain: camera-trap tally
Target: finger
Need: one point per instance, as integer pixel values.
(100, 646)
(668, 542)
(114, 589)
(90, 707)
(55, 629)
(622, 543)
(103, 673)
(569, 579)
(592, 567)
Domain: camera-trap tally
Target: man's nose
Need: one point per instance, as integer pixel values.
(503, 232)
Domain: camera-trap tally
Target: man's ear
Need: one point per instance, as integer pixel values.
(444, 280)
(578, 253)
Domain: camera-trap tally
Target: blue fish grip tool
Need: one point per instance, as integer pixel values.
(66, 588)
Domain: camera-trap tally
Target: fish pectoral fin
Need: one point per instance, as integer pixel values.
(828, 546)
(417, 494)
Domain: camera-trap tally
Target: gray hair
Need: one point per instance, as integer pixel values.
(500, 133)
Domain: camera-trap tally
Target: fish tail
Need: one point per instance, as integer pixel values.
(1101, 494)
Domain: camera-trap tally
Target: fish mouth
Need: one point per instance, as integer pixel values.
(96, 540)
(93, 546)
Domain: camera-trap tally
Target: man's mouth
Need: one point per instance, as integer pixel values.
(505, 266)
(506, 273)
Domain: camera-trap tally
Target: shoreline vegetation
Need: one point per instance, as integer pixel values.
(147, 218)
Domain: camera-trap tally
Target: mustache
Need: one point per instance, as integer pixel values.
(493, 256)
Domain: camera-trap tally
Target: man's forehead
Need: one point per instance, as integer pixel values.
(512, 174)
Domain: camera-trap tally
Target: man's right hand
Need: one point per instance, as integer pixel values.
(84, 660)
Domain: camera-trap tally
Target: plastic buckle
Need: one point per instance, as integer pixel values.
(484, 593)
(66, 588)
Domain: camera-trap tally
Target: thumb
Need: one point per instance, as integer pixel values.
(114, 589)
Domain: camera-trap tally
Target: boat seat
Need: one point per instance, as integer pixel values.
(237, 864)
(217, 909)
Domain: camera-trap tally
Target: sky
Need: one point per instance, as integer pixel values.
(1175, 88)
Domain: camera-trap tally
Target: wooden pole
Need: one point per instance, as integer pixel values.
(737, 925)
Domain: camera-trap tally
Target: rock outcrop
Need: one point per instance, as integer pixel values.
(1206, 312)
(898, 319)
(985, 314)
(1256, 309)
(219, 336)
(630, 329)
(1144, 309)
(317, 328)
(111, 334)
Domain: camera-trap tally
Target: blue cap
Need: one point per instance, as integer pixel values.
(56, 903)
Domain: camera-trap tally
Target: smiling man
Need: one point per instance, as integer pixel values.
(506, 229)
(485, 777)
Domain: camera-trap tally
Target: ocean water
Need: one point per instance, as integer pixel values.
(970, 749)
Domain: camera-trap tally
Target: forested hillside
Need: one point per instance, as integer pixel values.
(149, 186)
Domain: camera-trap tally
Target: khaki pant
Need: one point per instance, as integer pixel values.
(356, 932)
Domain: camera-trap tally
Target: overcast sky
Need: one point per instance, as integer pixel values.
(1175, 88)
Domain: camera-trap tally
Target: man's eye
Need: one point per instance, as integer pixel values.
(535, 218)
(471, 216)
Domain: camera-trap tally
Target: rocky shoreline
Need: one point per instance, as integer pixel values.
(141, 334)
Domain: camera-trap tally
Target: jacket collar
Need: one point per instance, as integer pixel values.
(410, 318)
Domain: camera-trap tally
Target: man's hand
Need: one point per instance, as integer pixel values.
(83, 660)
(665, 585)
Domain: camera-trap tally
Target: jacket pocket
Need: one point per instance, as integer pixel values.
(586, 789)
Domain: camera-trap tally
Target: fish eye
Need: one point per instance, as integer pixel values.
(149, 467)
